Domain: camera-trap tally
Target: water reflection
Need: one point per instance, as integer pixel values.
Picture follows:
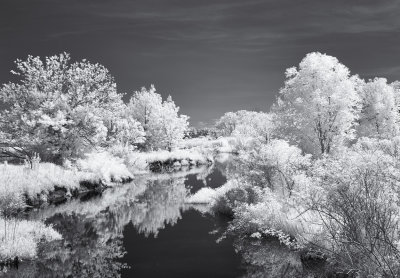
(87, 250)
(268, 258)
(188, 249)
(160, 205)
(213, 179)
(96, 233)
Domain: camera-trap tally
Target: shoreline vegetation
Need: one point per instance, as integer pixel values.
(48, 183)
(320, 171)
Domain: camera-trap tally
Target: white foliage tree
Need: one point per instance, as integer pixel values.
(318, 106)
(227, 123)
(379, 110)
(163, 125)
(60, 109)
(258, 125)
(173, 125)
(244, 124)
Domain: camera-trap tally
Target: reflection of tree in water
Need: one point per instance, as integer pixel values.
(92, 230)
(160, 205)
(268, 258)
(148, 203)
(84, 251)
(87, 251)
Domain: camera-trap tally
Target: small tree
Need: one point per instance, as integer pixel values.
(257, 125)
(173, 124)
(245, 123)
(161, 121)
(379, 114)
(227, 123)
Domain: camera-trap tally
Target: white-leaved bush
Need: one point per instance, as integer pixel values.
(357, 198)
(105, 167)
(273, 165)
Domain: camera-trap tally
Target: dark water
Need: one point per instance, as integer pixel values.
(214, 179)
(142, 229)
(186, 249)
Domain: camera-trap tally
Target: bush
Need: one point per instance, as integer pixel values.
(359, 205)
(40, 180)
(105, 167)
(272, 165)
(227, 202)
(273, 216)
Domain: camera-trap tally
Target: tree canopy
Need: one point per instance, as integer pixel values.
(63, 109)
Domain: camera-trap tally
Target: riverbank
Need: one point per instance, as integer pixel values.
(159, 161)
(47, 183)
(24, 188)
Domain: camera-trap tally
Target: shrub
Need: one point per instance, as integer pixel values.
(272, 165)
(358, 203)
(105, 167)
(227, 202)
(41, 180)
(273, 216)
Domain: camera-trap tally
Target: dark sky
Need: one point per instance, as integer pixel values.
(211, 56)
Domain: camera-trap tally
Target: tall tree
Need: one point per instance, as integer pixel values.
(318, 106)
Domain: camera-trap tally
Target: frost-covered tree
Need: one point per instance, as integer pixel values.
(318, 106)
(379, 115)
(163, 125)
(61, 109)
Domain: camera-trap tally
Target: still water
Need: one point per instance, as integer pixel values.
(141, 229)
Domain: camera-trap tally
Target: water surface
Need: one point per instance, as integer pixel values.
(187, 249)
(141, 229)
